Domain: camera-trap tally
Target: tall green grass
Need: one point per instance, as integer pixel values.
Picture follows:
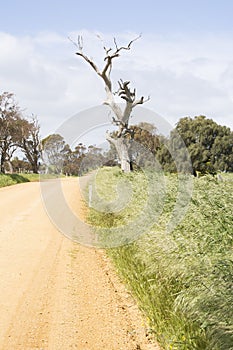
(183, 280)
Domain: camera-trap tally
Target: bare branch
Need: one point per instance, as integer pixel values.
(118, 49)
(116, 121)
(114, 39)
(107, 69)
(106, 72)
(80, 42)
(130, 97)
(104, 47)
(109, 57)
(124, 90)
(89, 60)
(113, 105)
(110, 138)
(141, 101)
(73, 42)
(79, 46)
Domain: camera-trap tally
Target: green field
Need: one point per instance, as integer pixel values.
(183, 280)
(13, 179)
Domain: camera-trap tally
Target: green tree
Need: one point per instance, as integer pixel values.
(146, 144)
(164, 156)
(111, 157)
(30, 143)
(10, 128)
(73, 160)
(92, 159)
(209, 145)
(54, 153)
(222, 152)
(20, 165)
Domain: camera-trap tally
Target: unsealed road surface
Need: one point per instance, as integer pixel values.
(54, 293)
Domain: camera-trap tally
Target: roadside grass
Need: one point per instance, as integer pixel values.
(121, 206)
(31, 177)
(13, 179)
(183, 280)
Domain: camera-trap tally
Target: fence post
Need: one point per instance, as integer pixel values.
(90, 195)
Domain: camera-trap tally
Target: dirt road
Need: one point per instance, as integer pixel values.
(56, 294)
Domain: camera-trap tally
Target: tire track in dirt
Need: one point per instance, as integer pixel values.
(29, 326)
(56, 294)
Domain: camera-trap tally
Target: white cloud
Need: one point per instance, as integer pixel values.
(184, 76)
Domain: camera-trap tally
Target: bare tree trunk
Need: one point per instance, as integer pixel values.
(122, 147)
(2, 169)
(10, 167)
(30, 144)
(35, 168)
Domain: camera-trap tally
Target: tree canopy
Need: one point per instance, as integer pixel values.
(17, 132)
(209, 144)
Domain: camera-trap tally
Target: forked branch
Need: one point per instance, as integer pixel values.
(122, 117)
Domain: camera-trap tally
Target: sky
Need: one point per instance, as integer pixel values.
(183, 60)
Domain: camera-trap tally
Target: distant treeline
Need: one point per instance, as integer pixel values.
(209, 146)
(199, 142)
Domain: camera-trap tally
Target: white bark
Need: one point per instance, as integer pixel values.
(121, 118)
(122, 147)
(123, 153)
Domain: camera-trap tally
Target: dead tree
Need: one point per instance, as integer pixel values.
(122, 139)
